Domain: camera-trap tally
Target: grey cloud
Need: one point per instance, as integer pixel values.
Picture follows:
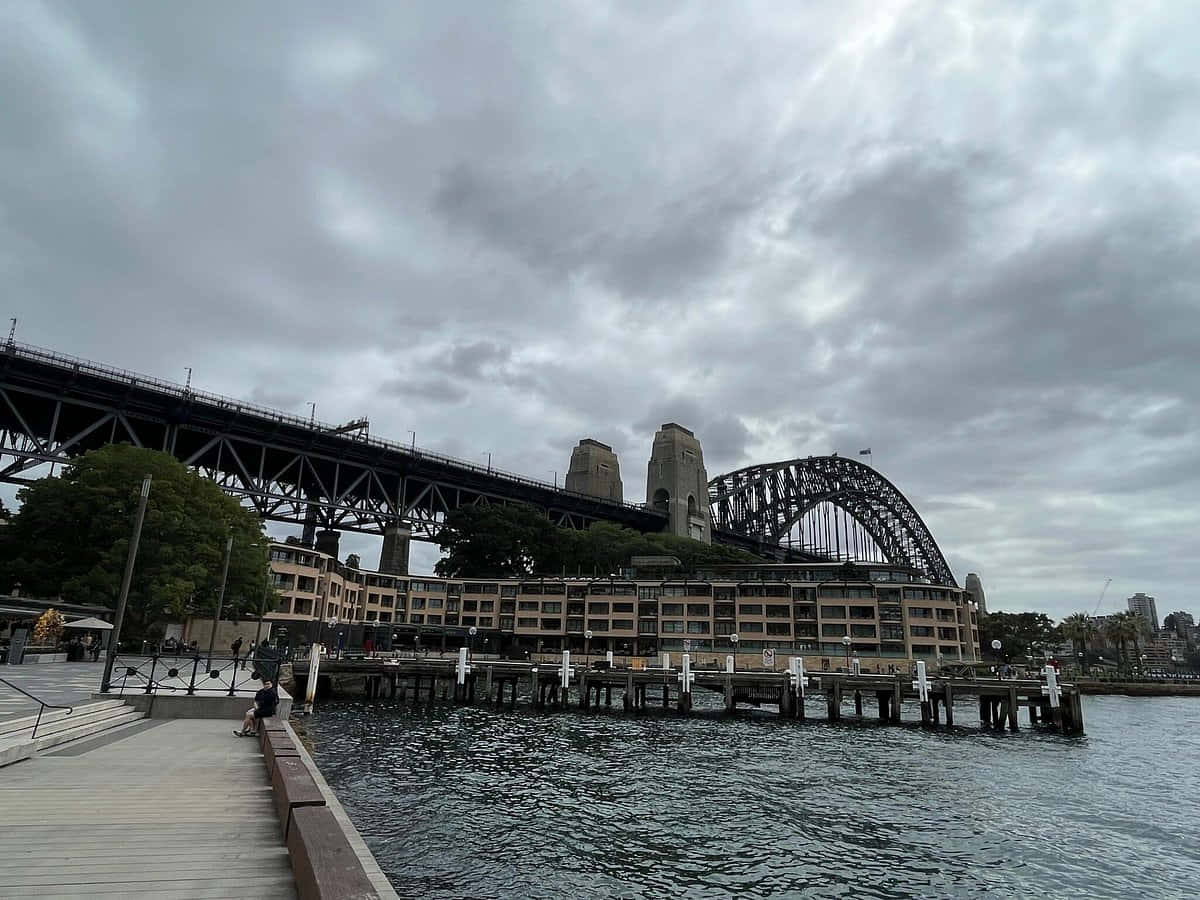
(437, 390)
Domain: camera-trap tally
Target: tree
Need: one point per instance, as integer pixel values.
(1123, 627)
(1018, 633)
(352, 561)
(518, 541)
(71, 536)
(1080, 630)
(49, 627)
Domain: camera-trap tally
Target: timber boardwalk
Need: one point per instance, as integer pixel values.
(561, 682)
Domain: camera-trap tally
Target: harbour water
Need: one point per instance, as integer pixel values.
(474, 802)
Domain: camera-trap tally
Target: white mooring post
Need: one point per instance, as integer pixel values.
(608, 656)
(922, 682)
(1050, 688)
(565, 672)
(729, 664)
(314, 667)
(463, 667)
(686, 676)
(796, 675)
(855, 666)
(666, 660)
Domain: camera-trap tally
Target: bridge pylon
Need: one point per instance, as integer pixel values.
(677, 483)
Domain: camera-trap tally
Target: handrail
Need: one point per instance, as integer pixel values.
(41, 709)
(62, 360)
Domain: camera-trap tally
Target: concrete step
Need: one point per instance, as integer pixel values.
(83, 717)
(25, 723)
(15, 748)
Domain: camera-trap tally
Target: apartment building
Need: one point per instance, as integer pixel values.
(826, 610)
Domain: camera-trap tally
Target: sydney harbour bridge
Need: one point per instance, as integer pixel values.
(291, 469)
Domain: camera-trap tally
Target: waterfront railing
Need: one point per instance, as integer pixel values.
(189, 675)
(42, 705)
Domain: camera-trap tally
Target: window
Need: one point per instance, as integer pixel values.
(508, 590)
(576, 592)
(475, 587)
(671, 609)
(418, 619)
(506, 622)
(649, 593)
(622, 625)
(527, 622)
(486, 622)
(750, 609)
(434, 620)
(699, 609)
(487, 605)
(828, 630)
(598, 609)
(435, 602)
(779, 628)
(724, 610)
(552, 607)
(506, 606)
(452, 605)
(597, 624)
(862, 631)
(672, 627)
(622, 607)
(697, 628)
(575, 624)
(806, 630)
(920, 612)
(576, 609)
(804, 611)
(833, 612)
(528, 606)
(675, 590)
(804, 593)
(920, 630)
(451, 618)
(755, 627)
(647, 626)
(890, 614)
(948, 634)
(723, 628)
(418, 602)
(470, 605)
(385, 617)
(400, 617)
(306, 584)
(386, 601)
(647, 609)
(370, 615)
(862, 612)
(891, 632)
(551, 624)
(468, 620)
(778, 612)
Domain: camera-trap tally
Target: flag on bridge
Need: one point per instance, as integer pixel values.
(866, 452)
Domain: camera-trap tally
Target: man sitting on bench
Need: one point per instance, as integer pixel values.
(265, 701)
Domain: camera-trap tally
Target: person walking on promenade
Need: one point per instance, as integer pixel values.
(266, 700)
(237, 649)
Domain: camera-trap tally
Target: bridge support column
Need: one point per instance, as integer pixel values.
(1012, 708)
(628, 700)
(858, 703)
(897, 700)
(948, 702)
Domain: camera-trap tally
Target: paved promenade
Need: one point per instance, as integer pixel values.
(168, 809)
(58, 683)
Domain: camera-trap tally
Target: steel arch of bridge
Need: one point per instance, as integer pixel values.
(765, 501)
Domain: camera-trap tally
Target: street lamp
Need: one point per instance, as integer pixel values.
(733, 639)
(1142, 668)
(587, 648)
(472, 631)
(846, 644)
(1081, 663)
(996, 645)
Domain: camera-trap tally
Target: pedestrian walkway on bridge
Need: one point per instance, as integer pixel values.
(174, 809)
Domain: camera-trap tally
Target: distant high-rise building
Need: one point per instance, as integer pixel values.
(1141, 605)
(975, 586)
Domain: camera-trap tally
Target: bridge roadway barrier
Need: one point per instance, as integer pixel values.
(503, 681)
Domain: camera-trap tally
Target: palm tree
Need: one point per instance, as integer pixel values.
(1115, 631)
(1079, 630)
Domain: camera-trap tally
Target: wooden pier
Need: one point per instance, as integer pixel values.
(871, 696)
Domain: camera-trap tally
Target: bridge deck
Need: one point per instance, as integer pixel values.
(167, 809)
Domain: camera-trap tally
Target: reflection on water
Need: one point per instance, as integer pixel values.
(474, 802)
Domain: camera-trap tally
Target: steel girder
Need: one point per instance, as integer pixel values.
(766, 500)
(52, 409)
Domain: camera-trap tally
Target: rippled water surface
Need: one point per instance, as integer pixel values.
(474, 802)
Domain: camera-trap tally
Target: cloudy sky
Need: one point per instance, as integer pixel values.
(964, 235)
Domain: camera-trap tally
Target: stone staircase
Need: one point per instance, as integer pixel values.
(58, 726)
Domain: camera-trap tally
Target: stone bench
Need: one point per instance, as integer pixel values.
(268, 725)
(324, 864)
(294, 787)
(277, 744)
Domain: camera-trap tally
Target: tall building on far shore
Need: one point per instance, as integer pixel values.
(975, 586)
(594, 470)
(1141, 605)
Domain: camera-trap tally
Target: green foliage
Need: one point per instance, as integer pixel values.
(1122, 628)
(1017, 632)
(518, 541)
(71, 538)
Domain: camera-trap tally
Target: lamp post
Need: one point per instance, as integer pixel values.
(996, 645)
(1142, 665)
(587, 648)
(489, 456)
(472, 631)
(212, 638)
(733, 639)
(1081, 663)
(122, 598)
(414, 440)
(846, 645)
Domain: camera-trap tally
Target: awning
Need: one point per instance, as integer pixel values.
(91, 624)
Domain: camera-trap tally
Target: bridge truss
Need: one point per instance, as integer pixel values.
(827, 506)
(289, 469)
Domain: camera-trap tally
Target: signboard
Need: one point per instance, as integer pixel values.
(16, 646)
(768, 658)
(687, 644)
